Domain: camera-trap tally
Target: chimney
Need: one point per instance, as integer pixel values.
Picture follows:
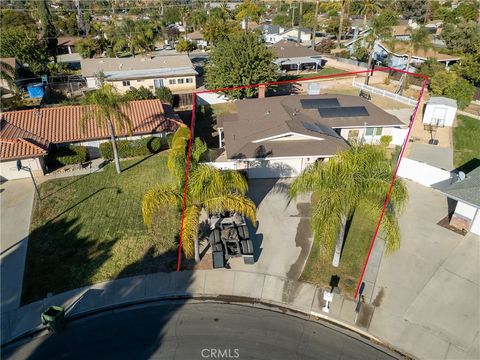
(261, 91)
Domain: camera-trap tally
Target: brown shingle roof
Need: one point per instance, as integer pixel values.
(290, 49)
(63, 124)
(258, 119)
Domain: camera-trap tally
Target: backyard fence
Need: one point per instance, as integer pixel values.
(422, 173)
(385, 93)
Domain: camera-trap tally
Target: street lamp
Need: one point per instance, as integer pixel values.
(27, 168)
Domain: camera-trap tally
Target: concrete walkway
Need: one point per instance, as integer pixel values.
(16, 201)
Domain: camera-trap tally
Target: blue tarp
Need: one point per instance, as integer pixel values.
(36, 91)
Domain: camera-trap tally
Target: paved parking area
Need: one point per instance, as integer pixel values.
(282, 239)
(16, 200)
(427, 293)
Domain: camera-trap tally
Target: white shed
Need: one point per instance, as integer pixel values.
(440, 111)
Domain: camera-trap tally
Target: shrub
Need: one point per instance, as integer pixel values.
(164, 94)
(386, 140)
(142, 93)
(132, 148)
(68, 155)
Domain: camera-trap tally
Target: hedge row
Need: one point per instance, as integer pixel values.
(68, 155)
(133, 148)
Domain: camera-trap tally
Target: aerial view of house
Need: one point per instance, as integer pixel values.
(248, 179)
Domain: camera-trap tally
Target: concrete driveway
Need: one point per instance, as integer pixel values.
(282, 239)
(16, 200)
(427, 293)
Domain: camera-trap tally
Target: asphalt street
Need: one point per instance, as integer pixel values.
(178, 330)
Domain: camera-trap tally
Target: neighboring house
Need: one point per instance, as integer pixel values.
(401, 32)
(175, 72)
(398, 58)
(291, 35)
(463, 192)
(198, 38)
(269, 32)
(294, 57)
(28, 135)
(66, 44)
(5, 90)
(280, 136)
(440, 111)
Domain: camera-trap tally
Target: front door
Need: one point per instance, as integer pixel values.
(158, 83)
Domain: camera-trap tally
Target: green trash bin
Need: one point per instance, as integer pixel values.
(54, 317)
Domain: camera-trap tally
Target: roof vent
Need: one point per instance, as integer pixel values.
(282, 48)
(268, 112)
(102, 61)
(120, 66)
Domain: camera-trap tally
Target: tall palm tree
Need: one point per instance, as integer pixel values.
(209, 189)
(359, 176)
(369, 7)
(185, 15)
(106, 109)
(343, 15)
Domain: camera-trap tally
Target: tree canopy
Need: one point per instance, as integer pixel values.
(242, 60)
(463, 36)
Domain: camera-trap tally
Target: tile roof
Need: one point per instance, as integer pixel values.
(258, 119)
(18, 143)
(63, 124)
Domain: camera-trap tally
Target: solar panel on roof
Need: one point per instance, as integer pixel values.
(346, 111)
(319, 103)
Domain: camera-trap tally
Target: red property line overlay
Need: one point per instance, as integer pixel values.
(192, 126)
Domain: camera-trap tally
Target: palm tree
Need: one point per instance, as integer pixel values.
(7, 73)
(106, 110)
(359, 176)
(209, 189)
(368, 7)
(343, 15)
(248, 10)
(185, 15)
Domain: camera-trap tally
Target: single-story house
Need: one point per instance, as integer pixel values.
(175, 72)
(197, 36)
(440, 111)
(463, 192)
(280, 136)
(289, 34)
(28, 135)
(66, 44)
(294, 57)
(269, 31)
(398, 57)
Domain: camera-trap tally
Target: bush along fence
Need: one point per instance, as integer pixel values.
(132, 148)
(68, 155)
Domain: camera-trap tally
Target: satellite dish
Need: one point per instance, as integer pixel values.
(461, 175)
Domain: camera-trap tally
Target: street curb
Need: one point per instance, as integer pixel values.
(225, 299)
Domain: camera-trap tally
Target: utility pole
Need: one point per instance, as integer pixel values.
(315, 21)
(300, 21)
(340, 28)
(293, 7)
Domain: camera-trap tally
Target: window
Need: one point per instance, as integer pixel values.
(373, 131)
(189, 80)
(180, 81)
(126, 83)
(172, 81)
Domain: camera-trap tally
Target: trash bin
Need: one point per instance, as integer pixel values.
(54, 317)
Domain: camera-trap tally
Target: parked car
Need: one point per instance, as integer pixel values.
(167, 47)
(229, 238)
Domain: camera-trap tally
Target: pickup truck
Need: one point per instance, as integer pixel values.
(229, 238)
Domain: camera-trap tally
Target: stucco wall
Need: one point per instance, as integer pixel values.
(8, 169)
(150, 84)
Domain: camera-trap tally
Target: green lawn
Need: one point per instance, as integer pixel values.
(89, 229)
(466, 144)
(322, 72)
(319, 269)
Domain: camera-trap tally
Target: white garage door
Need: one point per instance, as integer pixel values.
(265, 169)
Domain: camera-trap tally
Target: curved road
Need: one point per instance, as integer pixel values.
(179, 330)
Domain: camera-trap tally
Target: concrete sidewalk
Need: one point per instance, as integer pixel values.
(302, 297)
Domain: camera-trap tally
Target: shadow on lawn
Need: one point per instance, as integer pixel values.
(59, 259)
